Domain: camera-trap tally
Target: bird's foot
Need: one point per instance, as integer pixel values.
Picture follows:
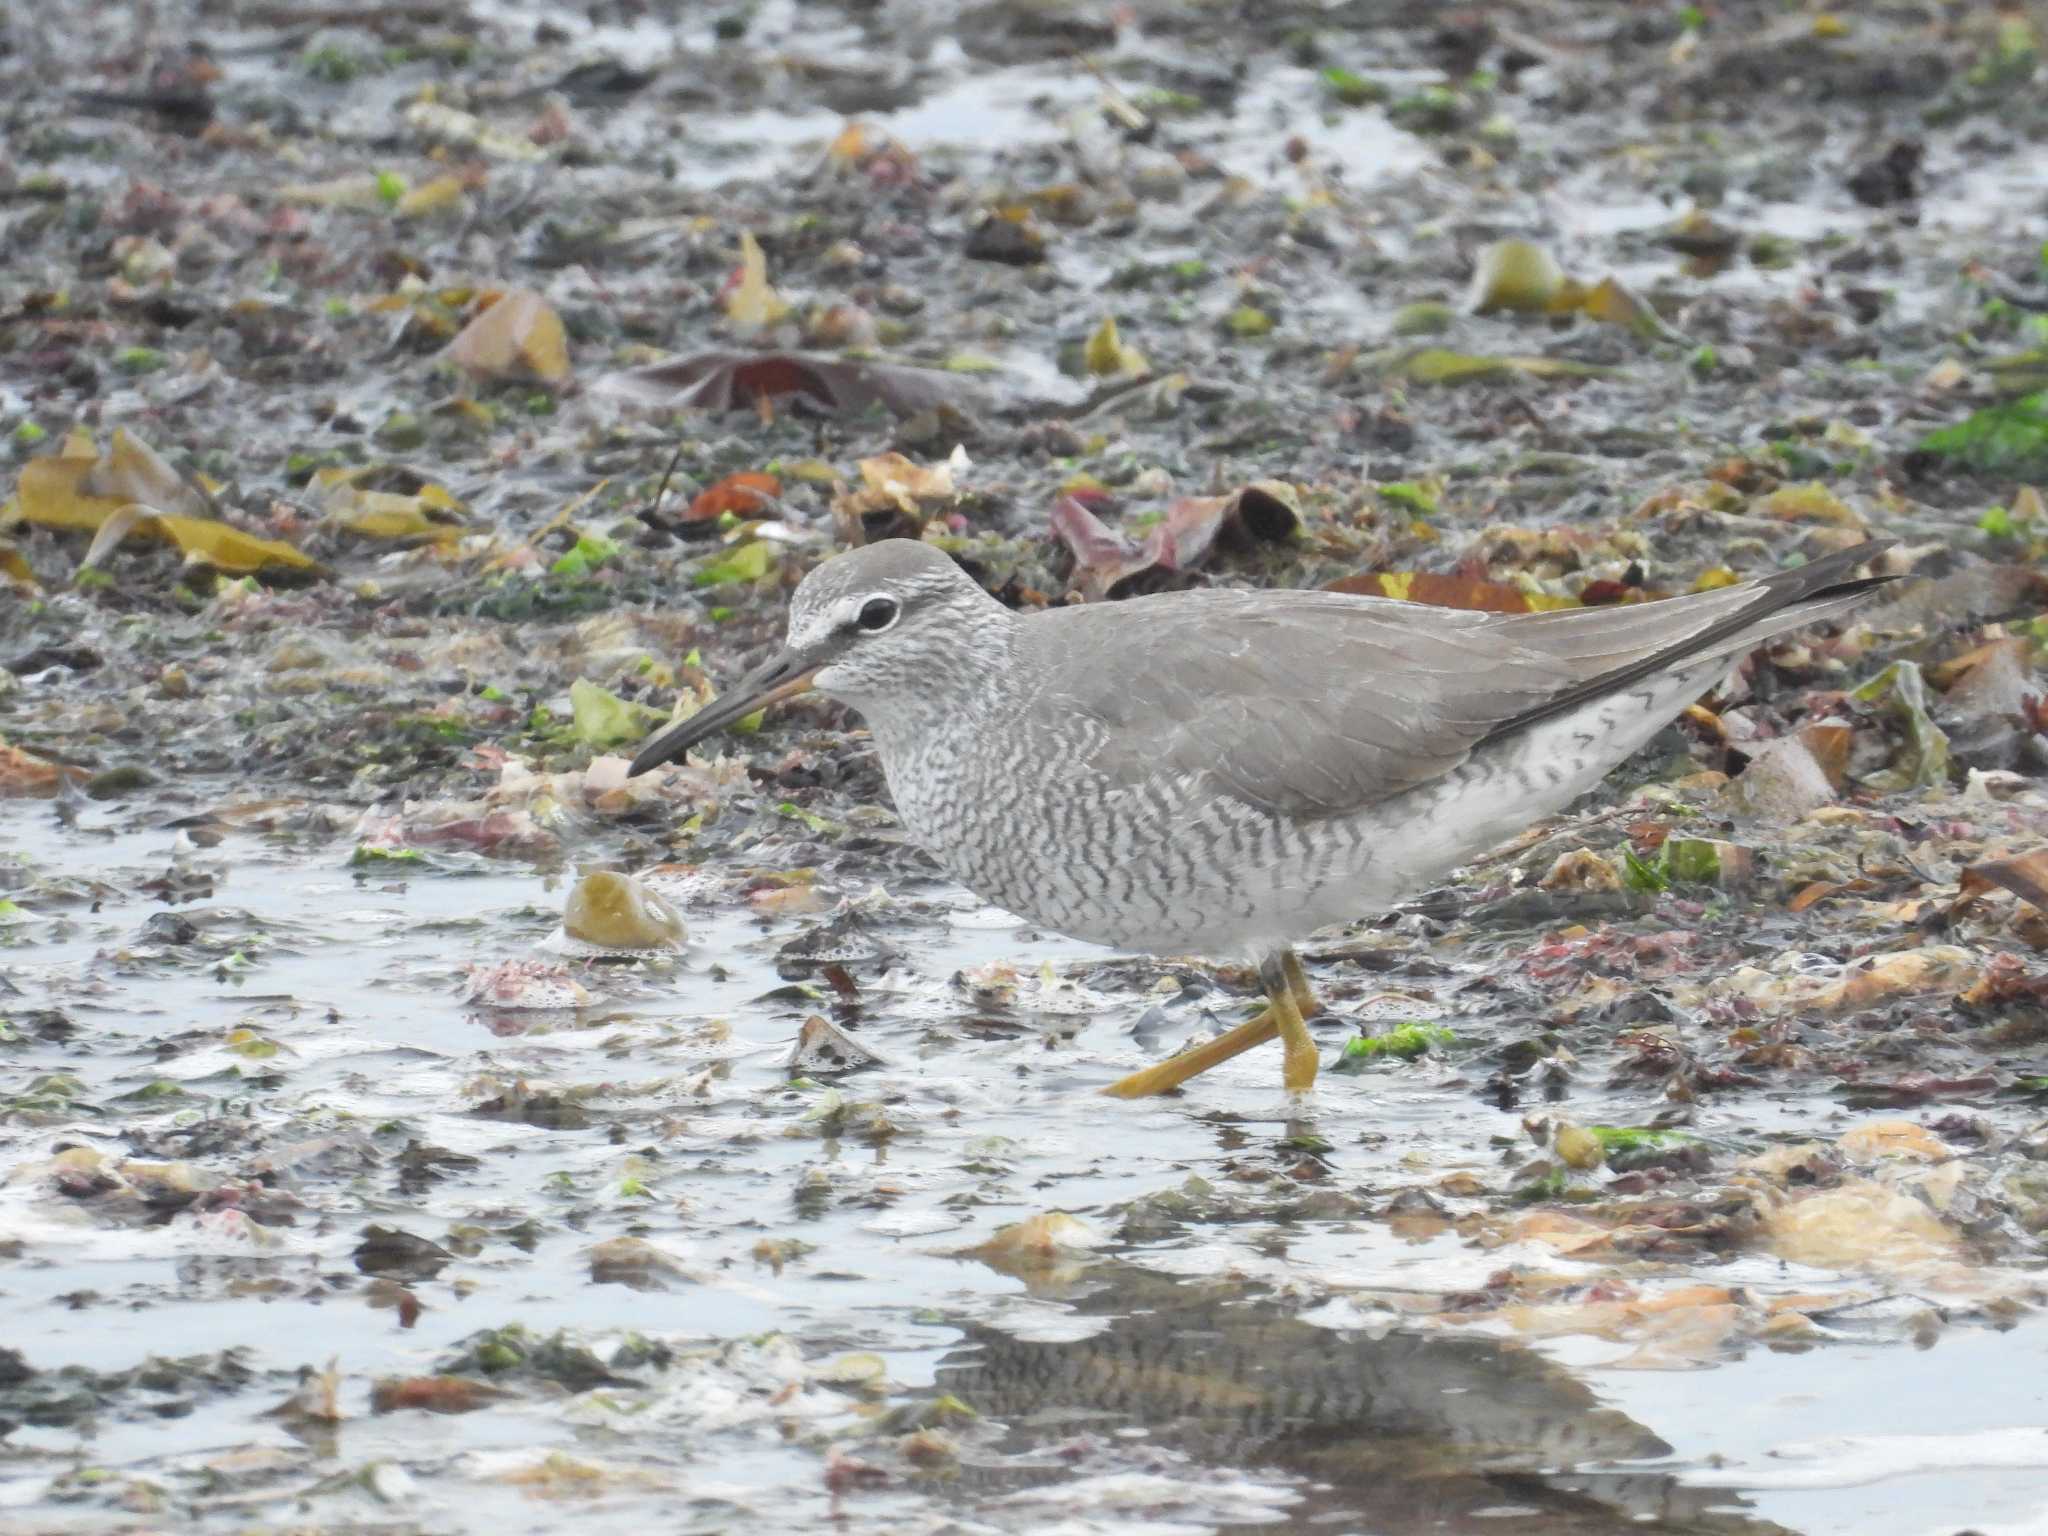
(1289, 1004)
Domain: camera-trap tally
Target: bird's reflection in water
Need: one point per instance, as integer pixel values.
(1406, 1433)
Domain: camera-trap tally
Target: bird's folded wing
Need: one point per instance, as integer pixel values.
(1316, 704)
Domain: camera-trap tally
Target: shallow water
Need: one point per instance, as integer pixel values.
(1271, 1316)
(357, 979)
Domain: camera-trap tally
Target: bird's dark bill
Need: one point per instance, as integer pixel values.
(784, 677)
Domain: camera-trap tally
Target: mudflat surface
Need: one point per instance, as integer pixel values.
(406, 407)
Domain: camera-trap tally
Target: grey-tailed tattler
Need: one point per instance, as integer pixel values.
(1221, 773)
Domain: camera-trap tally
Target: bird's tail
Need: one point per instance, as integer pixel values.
(1605, 650)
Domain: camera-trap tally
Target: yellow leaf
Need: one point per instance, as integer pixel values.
(133, 471)
(896, 479)
(230, 549)
(754, 304)
(1613, 303)
(1809, 503)
(436, 196)
(15, 568)
(520, 334)
(453, 127)
(850, 144)
(118, 525)
(430, 512)
(49, 497)
(1450, 592)
(1106, 353)
(1515, 275)
(360, 190)
(386, 515)
(811, 471)
(66, 493)
(1440, 365)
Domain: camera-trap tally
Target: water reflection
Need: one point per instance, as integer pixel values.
(1406, 1433)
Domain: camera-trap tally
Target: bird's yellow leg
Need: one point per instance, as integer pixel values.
(1297, 983)
(1289, 1001)
(1287, 989)
(1175, 1070)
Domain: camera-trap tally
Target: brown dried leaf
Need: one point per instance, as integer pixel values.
(1102, 561)
(1581, 869)
(1041, 1243)
(1828, 742)
(1682, 1338)
(519, 335)
(1105, 564)
(1858, 1225)
(896, 497)
(1946, 674)
(1878, 1140)
(24, 776)
(317, 1399)
(2008, 984)
(634, 1262)
(722, 380)
(1908, 973)
(2025, 875)
(433, 1394)
(1808, 895)
(1994, 679)
(1782, 782)
(823, 1049)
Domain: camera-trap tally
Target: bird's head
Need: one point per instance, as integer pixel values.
(879, 628)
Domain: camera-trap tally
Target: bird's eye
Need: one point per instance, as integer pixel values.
(878, 613)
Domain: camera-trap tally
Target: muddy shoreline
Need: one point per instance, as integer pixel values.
(404, 409)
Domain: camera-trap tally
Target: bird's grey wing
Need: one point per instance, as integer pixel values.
(1318, 703)
(1306, 703)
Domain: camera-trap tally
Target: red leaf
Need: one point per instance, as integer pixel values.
(725, 380)
(743, 494)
